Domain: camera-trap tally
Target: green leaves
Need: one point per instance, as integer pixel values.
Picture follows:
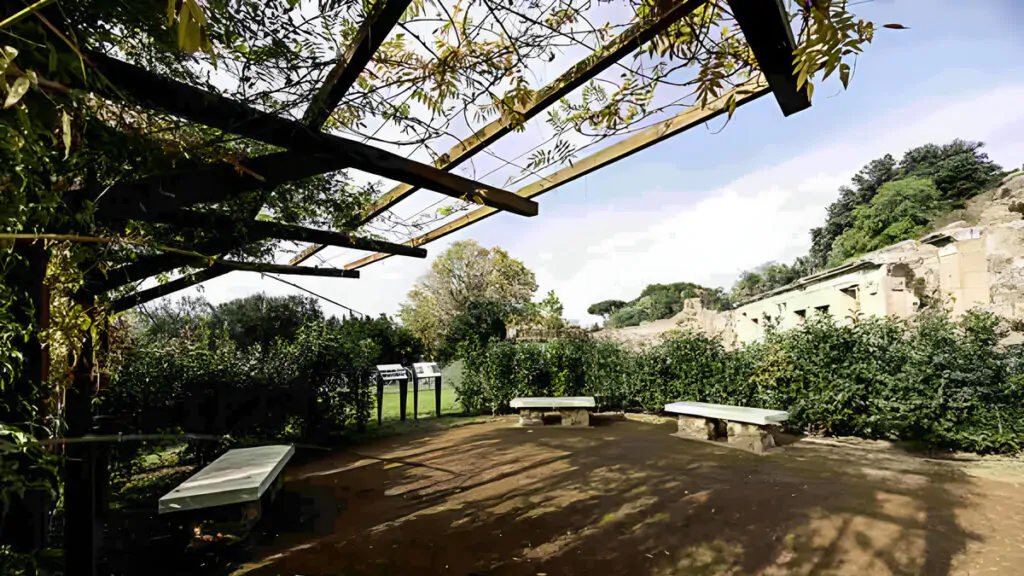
(22, 82)
(65, 131)
(933, 379)
(830, 38)
(192, 35)
(17, 90)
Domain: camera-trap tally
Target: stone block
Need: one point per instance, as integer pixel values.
(757, 439)
(529, 417)
(697, 427)
(575, 417)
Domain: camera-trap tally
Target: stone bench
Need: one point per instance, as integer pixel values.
(747, 428)
(575, 410)
(238, 477)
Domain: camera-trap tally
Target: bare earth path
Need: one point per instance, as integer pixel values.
(627, 498)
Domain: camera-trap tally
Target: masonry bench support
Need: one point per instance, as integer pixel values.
(575, 411)
(746, 428)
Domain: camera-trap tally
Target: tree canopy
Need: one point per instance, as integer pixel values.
(657, 301)
(958, 170)
(886, 202)
(261, 319)
(464, 274)
(605, 307)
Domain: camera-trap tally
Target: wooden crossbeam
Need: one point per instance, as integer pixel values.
(745, 93)
(158, 196)
(145, 267)
(583, 71)
(152, 265)
(765, 25)
(165, 195)
(379, 22)
(263, 229)
(197, 105)
(161, 290)
(220, 268)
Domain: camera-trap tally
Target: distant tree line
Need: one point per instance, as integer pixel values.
(658, 301)
(886, 202)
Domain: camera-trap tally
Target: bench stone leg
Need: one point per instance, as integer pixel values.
(757, 439)
(697, 427)
(575, 417)
(531, 417)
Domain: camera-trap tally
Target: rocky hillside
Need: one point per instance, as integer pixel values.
(997, 215)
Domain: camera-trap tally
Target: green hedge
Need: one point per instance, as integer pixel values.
(214, 386)
(933, 379)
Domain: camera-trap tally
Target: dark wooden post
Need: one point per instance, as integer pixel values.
(415, 394)
(359, 382)
(437, 396)
(80, 531)
(403, 396)
(380, 397)
(26, 522)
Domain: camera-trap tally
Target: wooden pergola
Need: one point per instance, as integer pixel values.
(172, 199)
(169, 198)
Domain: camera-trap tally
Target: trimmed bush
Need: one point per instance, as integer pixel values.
(936, 380)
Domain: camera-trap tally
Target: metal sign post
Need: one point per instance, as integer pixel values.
(391, 373)
(427, 371)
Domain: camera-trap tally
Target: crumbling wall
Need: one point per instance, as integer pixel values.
(711, 322)
(1004, 247)
(966, 264)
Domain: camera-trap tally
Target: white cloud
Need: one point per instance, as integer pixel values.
(757, 217)
(588, 253)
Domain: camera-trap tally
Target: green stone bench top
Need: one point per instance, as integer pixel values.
(238, 476)
(732, 413)
(563, 402)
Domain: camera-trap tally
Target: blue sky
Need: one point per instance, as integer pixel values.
(704, 206)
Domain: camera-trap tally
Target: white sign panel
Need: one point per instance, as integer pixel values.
(390, 372)
(427, 370)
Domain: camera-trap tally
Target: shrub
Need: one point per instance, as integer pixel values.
(933, 379)
(196, 376)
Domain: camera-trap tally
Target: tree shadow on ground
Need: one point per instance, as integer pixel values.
(619, 499)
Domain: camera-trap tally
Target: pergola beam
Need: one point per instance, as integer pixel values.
(745, 93)
(161, 290)
(151, 265)
(219, 268)
(765, 25)
(582, 72)
(382, 18)
(158, 196)
(197, 105)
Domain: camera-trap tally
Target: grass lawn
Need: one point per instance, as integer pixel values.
(451, 376)
(426, 404)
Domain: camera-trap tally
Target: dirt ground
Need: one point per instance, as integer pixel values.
(624, 497)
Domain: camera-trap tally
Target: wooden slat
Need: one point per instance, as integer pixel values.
(152, 265)
(332, 238)
(687, 119)
(765, 25)
(220, 268)
(144, 267)
(583, 71)
(379, 22)
(159, 291)
(154, 197)
(197, 105)
(157, 196)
